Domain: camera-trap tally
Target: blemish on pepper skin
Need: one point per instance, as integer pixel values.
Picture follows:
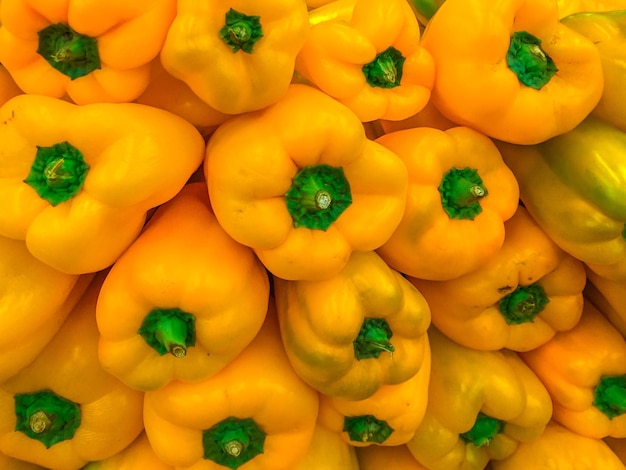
(503, 289)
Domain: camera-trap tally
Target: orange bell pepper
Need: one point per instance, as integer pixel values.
(8, 87)
(255, 413)
(518, 299)
(138, 455)
(237, 56)
(481, 405)
(78, 180)
(371, 60)
(584, 370)
(460, 194)
(511, 70)
(558, 447)
(64, 409)
(350, 334)
(300, 184)
(389, 417)
(35, 300)
(91, 51)
(192, 298)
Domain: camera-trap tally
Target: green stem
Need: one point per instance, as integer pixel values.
(233, 442)
(58, 172)
(71, 53)
(46, 417)
(523, 304)
(533, 67)
(385, 71)
(169, 331)
(366, 428)
(373, 338)
(461, 191)
(318, 196)
(241, 32)
(610, 395)
(484, 430)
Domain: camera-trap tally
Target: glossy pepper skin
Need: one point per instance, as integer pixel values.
(481, 405)
(78, 180)
(571, 7)
(348, 335)
(574, 186)
(584, 370)
(558, 447)
(254, 45)
(327, 451)
(8, 87)
(14, 464)
(389, 417)
(35, 300)
(89, 51)
(137, 455)
(460, 194)
(192, 298)
(608, 296)
(255, 413)
(301, 185)
(370, 60)
(607, 30)
(509, 66)
(518, 299)
(64, 410)
(380, 457)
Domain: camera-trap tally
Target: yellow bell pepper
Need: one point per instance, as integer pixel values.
(371, 61)
(391, 457)
(255, 413)
(8, 87)
(429, 116)
(192, 298)
(77, 180)
(138, 455)
(348, 335)
(574, 186)
(608, 296)
(518, 299)
(460, 194)
(9, 463)
(64, 409)
(300, 184)
(389, 417)
(328, 451)
(35, 299)
(584, 370)
(510, 69)
(560, 448)
(607, 30)
(237, 56)
(173, 95)
(481, 405)
(91, 51)
(571, 7)
(618, 446)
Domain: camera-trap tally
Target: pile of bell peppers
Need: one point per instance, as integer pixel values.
(313, 234)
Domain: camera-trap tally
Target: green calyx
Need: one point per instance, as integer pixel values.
(318, 196)
(461, 191)
(58, 172)
(385, 71)
(73, 54)
(241, 32)
(366, 428)
(233, 442)
(373, 338)
(523, 304)
(484, 430)
(46, 417)
(610, 395)
(169, 331)
(533, 67)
